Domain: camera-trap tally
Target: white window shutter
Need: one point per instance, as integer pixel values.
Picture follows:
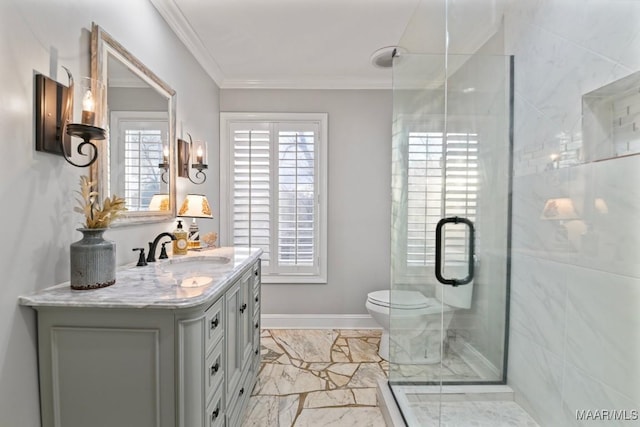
(274, 166)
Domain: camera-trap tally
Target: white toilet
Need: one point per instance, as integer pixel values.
(416, 336)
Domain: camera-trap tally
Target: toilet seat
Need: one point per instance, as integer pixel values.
(408, 300)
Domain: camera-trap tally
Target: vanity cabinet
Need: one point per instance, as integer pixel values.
(187, 364)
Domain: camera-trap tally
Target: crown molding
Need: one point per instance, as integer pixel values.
(317, 83)
(176, 20)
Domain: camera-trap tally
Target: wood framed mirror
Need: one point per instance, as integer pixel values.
(140, 112)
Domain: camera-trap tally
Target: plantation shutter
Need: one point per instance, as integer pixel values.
(297, 212)
(274, 194)
(442, 182)
(252, 188)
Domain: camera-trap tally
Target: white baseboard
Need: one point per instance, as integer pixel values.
(318, 321)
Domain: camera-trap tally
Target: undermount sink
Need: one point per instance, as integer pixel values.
(193, 272)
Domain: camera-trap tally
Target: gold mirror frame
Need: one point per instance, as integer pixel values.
(102, 44)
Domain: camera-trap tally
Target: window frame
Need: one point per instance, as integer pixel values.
(227, 119)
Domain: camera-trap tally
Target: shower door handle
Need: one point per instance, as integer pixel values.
(472, 232)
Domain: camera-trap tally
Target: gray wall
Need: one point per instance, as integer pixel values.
(359, 195)
(37, 189)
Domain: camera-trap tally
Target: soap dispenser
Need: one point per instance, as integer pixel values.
(180, 244)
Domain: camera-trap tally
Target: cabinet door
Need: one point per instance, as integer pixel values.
(246, 317)
(239, 332)
(233, 333)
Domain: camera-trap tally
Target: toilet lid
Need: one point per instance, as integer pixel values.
(401, 299)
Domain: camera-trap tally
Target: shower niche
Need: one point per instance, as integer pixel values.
(611, 120)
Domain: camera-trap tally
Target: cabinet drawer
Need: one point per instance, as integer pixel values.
(214, 370)
(214, 326)
(241, 398)
(215, 411)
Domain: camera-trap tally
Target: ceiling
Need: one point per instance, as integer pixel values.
(289, 43)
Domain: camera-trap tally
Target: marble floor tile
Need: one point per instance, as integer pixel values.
(363, 351)
(279, 380)
(325, 378)
(360, 333)
(272, 411)
(305, 344)
(340, 417)
(347, 369)
(367, 376)
(365, 396)
(329, 398)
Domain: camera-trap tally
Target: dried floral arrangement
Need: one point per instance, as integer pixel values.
(97, 216)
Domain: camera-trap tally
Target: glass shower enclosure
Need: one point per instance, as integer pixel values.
(451, 202)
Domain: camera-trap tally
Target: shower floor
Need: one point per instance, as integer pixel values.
(460, 364)
(489, 406)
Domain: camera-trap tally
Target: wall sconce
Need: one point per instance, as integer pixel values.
(54, 112)
(165, 164)
(195, 206)
(187, 152)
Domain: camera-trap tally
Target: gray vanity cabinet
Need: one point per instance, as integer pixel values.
(241, 369)
(179, 366)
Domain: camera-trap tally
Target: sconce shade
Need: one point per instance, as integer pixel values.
(195, 206)
(159, 202)
(559, 209)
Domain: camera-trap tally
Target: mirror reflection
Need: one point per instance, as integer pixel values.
(139, 136)
(139, 109)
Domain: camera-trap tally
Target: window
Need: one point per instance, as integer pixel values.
(273, 169)
(442, 182)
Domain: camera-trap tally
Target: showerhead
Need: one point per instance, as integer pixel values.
(383, 57)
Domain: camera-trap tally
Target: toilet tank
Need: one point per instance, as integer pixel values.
(455, 296)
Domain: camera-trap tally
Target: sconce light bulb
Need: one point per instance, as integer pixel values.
(88, 108)
(199, 155)
(87, 102)
(165, 154)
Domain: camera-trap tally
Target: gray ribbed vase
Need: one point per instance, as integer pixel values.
(93, 260)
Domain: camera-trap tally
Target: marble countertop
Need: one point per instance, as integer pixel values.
(178, 282)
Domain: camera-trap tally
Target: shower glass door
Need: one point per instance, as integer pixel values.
(450, 228)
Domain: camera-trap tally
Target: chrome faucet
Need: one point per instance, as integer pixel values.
(151, 257)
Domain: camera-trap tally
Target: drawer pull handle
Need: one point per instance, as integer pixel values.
(215, 368)
(243, 308)
(215, 413)
(257, 325)
(257, 299)
(241, 391)
(256, 352)
(214, 323)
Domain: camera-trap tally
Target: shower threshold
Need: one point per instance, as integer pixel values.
(454, 405)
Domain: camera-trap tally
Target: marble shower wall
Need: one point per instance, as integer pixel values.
(575, 290)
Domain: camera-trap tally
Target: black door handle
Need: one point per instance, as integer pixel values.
(472, 231)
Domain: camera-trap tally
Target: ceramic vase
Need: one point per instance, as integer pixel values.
(93, 260)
